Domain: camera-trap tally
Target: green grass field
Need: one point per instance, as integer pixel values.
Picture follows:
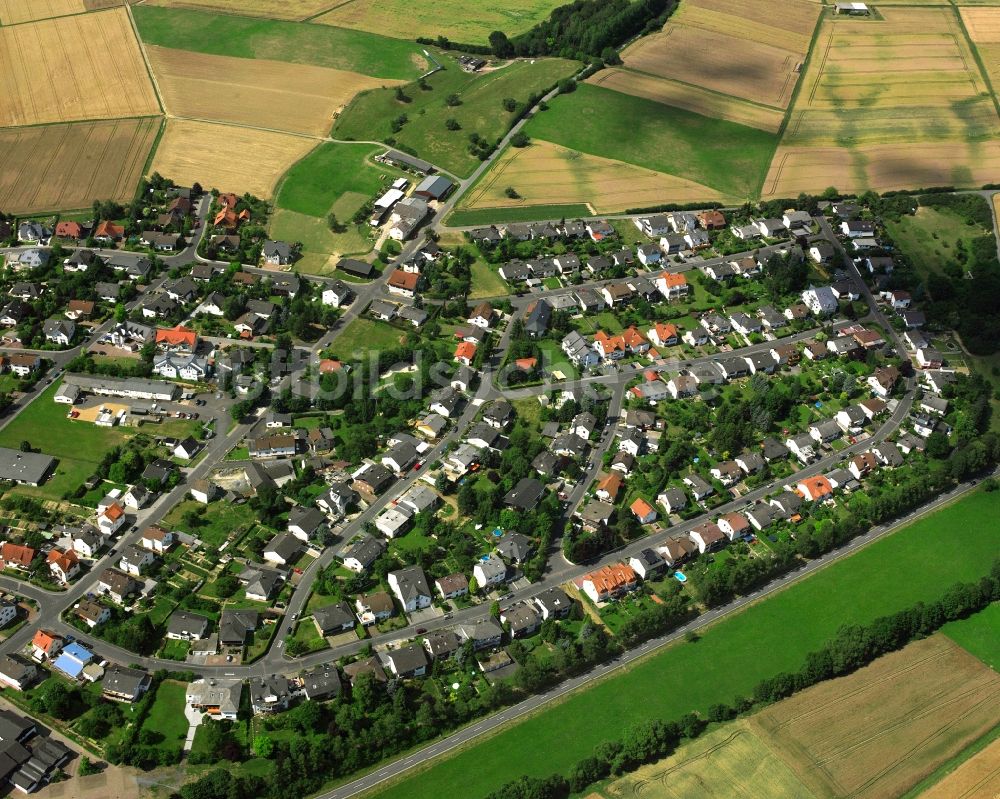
(733, 655)
(79, 446)
(362, 336)
(464, 217)
(294, 42)
(481, 110)
(320, 246)
(929, 236)
(486, 282)
(318, 181)
(166, 716)
(979, 634)
(217, 522)
(725, 156)
(450, 18)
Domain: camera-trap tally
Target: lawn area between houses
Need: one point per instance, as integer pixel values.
(731, 656)
(78, 445)
(725, 156)
(979, 635)
(363, 336)
(215, 521)
(166, 716)
(243, 37)
(486, 282)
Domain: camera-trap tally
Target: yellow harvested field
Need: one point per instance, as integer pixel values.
(890, 103)
(983, 24)
(547, 174)
(691, 98)
(754, 71)
(13, 12)
(277, 9)
(269, 94)
(882, 167)
(977, 778)
(879, 731)
(453, 19)
(754, 20)
(227, 157)
(51, 167)
(728, 762)
(910, 76)
(71, 68)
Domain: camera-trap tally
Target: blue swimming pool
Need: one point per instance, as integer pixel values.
(680, 577)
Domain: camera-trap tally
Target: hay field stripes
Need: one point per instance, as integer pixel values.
(882, 167)
(72, 68)
(63, 167)
(697, 99)
(706, 58)
(976, 778)
(731, 761)
(851, 736)
(292, 10)
(961, 59)
(268, 155)
(548, 174)
(274, 95)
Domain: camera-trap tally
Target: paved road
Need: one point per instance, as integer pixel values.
(399, 767)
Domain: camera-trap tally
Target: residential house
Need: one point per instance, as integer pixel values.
(410, 587)
(707, 536)
(609, 582)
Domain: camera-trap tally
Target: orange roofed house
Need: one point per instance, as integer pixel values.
(609, 582)
(403, 283)
(663, 334)
(672, 285)
(179, 339)
(64, 565)
(108, 231)
(815, 488)
(629, 341)
(643, 511)
(15, 556)
(465, 352)
(45, 645)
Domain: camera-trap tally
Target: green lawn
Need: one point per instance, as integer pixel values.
(979, 634)
(305, 631)
(166, 716)
(728, 157)
(79, 446)
(322, 248)
(928, 237)
(362, 336)
(319, 180)
(486, 282)
(298, 43)
(175, 650)
(733, 655)
(217, 520)
(481, 109)
(464, 217)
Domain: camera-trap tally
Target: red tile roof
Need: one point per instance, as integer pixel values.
(175, 336)
(404, 280)
(15, 553)
(465, 349)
